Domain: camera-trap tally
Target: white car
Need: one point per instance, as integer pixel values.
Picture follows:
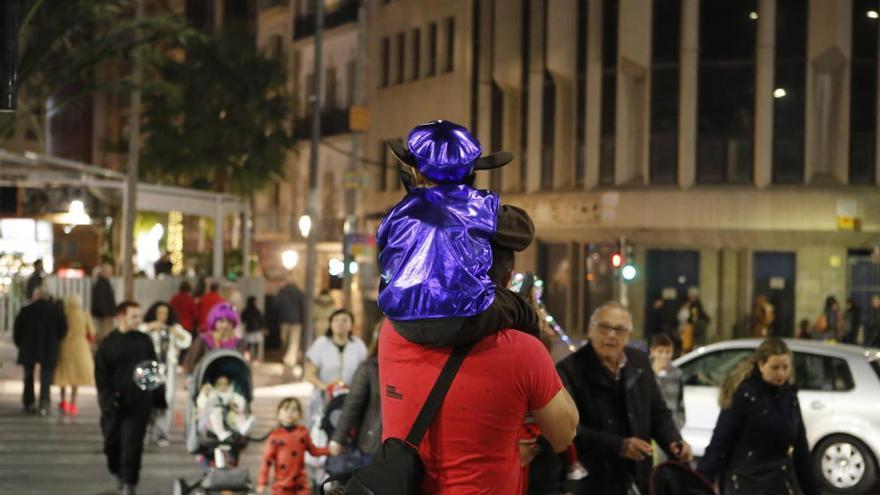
(839, 392)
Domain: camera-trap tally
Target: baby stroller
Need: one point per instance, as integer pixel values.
(222, 474)
(675, 478)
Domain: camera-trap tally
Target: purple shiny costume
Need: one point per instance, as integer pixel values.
(435, 253)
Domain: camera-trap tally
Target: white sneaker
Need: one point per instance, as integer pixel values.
(576, 472)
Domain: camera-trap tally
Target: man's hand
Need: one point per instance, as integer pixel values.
(635, 449)
(528, 449)
(334, 448)
(682, 451)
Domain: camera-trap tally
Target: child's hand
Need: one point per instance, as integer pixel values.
(261, 489)
(334, 448)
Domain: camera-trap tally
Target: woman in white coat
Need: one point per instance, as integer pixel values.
(169, 338)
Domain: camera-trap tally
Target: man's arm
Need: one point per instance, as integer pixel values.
(558, 420)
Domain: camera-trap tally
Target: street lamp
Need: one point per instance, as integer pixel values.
(289, 259)
(305, 225)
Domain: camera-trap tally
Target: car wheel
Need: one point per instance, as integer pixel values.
(846, 465)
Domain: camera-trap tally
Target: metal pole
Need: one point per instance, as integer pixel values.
(351, 193)
(134, 151)
(312, 206)
(217, 269)
(624, 296)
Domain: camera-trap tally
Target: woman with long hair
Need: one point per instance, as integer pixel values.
(75, 365)
(759, 445)
(169, 338)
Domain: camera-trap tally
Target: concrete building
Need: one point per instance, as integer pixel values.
(732, 144)
(286, 29)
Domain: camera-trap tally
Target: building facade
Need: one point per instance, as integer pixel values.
(732, 145)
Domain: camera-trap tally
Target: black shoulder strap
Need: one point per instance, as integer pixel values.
(437, 394)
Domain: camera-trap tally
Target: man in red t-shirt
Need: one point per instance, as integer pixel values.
(184, 306)
(472, 445)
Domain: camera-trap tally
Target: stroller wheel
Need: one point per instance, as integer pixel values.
(180, 487)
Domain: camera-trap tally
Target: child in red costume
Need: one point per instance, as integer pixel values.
(286, 448)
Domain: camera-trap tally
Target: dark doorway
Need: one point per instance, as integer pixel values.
(773, 275)
(668, 274)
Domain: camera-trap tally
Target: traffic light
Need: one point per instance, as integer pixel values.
(628, 269)
(616, 260)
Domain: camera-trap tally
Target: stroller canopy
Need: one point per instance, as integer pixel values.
(674, 478)
(224, 362)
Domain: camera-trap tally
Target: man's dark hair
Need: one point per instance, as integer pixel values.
(185, 286)
(502, 265)
(38, 263)
(215, 286)
(661, 340)
(122, 308)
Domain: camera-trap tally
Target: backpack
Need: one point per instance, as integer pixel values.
(397, 468)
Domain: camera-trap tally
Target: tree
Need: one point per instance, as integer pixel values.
(65, 42)
(217, 115)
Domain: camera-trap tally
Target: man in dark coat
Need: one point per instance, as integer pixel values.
(35, 280)
(103, 302)
(37, 333)
(621, 408)
(125, 408)
(290, 310)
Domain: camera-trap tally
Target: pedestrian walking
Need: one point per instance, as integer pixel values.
(759, 445)
(322, 309)
(763, 317)
(621, 408)
(125, 408)
(206, 303)
(290, 310)
(829, 324)
(852, 322)
(37, 332)
(254, 328)
(359, 429)
(75, 367)
(184, 306)
(103, 302)
(285, 450)
(169, 339)
(220, 334)
(35, 280)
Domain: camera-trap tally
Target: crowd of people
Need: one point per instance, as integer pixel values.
(458, 374)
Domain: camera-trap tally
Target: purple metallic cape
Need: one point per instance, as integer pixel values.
(435, 252)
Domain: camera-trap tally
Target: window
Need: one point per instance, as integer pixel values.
(814, 372)
(665, 70)
(863, 94)
(449, 25)
(385, 62)
(401, 57)
(416, 54)
(609, 86)
(711, 369)
(789, 92)
(726, 91)
(432, 49)
(350, 80)
(331, 89)
(581, 96)
(382, 182)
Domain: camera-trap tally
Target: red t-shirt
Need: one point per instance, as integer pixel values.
(204, 306)
(184, 306)
(471, 447)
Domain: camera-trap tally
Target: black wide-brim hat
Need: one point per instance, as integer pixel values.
(434, 142)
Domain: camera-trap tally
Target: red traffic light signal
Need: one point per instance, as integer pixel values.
(616, 260)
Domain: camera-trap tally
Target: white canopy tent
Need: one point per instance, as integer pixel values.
(34, 170)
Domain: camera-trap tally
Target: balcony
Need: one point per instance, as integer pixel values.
(335, 14)
(333, 122)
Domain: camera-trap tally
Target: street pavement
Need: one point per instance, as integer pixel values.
(59, 454)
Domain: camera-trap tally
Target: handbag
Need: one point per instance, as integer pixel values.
(769, 478)
(397, 468)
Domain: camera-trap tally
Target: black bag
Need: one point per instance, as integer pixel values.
(397, 468)
(769, 478)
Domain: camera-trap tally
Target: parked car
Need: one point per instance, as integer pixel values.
(839, 392)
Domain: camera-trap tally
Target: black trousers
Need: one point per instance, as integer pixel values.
(124, 442)
(46, 374)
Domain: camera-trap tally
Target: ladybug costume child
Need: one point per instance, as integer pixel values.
(285, 449)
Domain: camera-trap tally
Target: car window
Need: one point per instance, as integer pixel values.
(711, 369)
(875, 365)
(815, 372)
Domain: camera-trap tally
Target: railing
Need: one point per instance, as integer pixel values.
(335, 14)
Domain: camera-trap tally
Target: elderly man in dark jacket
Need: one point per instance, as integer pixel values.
(621, 408)
(37, 333)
